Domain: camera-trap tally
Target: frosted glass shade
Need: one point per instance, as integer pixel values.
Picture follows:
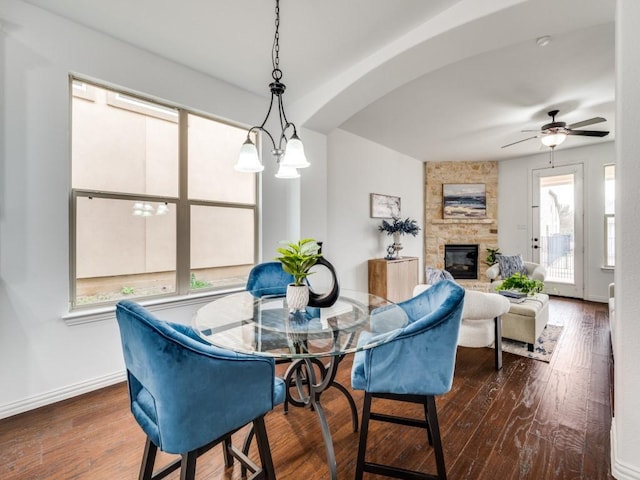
(553, 139)
(248, 160)
(294, 154)
(287, 172)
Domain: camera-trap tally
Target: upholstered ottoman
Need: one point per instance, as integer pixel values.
(526, 320)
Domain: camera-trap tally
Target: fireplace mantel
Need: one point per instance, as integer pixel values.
(441, 221)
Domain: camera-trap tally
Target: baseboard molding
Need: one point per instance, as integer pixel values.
(621, 470)
(597, 299)
(59, 394)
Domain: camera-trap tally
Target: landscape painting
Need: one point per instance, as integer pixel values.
(464, 200)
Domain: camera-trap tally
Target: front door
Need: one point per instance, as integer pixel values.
(557, 236)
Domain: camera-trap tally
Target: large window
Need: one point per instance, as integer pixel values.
(609, 215)
(156, 206)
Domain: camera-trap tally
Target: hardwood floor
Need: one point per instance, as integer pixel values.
(532, 420)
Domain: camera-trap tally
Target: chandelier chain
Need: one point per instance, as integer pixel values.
(275, 54)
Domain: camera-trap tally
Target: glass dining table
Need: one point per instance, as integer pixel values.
(315, 340)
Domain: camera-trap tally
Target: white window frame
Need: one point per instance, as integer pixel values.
(183, 294)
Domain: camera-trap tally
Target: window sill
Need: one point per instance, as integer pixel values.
(79, 317)
(607, 269)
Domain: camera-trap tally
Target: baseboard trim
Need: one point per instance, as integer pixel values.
(621, 470)
(59, 394)
(597, 299)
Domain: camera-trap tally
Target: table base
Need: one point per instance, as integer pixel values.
(301, 376)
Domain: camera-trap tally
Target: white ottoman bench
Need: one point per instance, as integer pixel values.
(526, 320)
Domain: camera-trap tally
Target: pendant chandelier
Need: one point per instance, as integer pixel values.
(289, 152)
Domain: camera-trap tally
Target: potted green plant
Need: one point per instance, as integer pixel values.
(491, 256)
(398, 227)
(522, 283)
(297, 258)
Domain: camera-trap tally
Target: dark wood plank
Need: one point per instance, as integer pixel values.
(531, 420)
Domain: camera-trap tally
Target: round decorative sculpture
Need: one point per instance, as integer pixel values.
(325, 299)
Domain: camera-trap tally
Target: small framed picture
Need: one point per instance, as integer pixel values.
(464, 200)
(384, 206)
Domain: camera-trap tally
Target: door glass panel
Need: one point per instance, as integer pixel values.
(557, 227)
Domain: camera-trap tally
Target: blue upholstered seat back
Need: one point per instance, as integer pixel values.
(420, 357)
(268, 279)
(184, 392)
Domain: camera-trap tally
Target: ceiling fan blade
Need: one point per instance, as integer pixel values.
(584, 123)
(588, 133)
(530, 130)
(519, 141)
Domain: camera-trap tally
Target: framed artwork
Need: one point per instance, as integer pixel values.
(384, 206)
(464, 200)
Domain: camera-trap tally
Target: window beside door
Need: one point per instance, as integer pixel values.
(156, 206)
(609, 216)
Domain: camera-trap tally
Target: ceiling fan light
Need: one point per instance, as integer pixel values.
(543, 41)
(248, 160)
(553, 139)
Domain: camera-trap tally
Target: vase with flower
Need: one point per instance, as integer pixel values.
(398, 227)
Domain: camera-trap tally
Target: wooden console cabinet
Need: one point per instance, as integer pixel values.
(393, 279)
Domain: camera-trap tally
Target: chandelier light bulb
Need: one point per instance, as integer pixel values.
(294, 154)
(248, 161)
(287, 172)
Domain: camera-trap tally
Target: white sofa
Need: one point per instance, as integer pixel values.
(534, 271)
(481, 320)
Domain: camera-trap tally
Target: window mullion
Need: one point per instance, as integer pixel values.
(183, 242)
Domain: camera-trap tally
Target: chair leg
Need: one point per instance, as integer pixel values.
(148, 460)
(426, 417)
(364, 430)
(432, 419)
(188, 466)
(263, 448)
(430, 423)
(226, 446)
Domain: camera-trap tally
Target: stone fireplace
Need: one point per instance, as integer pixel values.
(439, 231)
(461, 261)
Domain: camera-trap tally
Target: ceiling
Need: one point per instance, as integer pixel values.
(436, 80)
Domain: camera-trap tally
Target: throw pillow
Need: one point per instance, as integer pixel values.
(510, 264)
(434, 275)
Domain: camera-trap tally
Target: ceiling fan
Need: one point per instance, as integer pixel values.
(554, 133)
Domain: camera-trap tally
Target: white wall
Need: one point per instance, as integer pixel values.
(625, 431)
(514, 212)
(42, 359)
(357, 168)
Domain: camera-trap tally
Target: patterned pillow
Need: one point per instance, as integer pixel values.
(510, 264)
(434, 275)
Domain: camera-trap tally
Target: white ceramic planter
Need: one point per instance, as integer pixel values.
(297, 297)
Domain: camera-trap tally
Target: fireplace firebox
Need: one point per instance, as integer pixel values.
(461, 261)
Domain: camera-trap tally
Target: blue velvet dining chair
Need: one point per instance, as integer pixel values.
(189, 396)
(268, 278)
(415, 363)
